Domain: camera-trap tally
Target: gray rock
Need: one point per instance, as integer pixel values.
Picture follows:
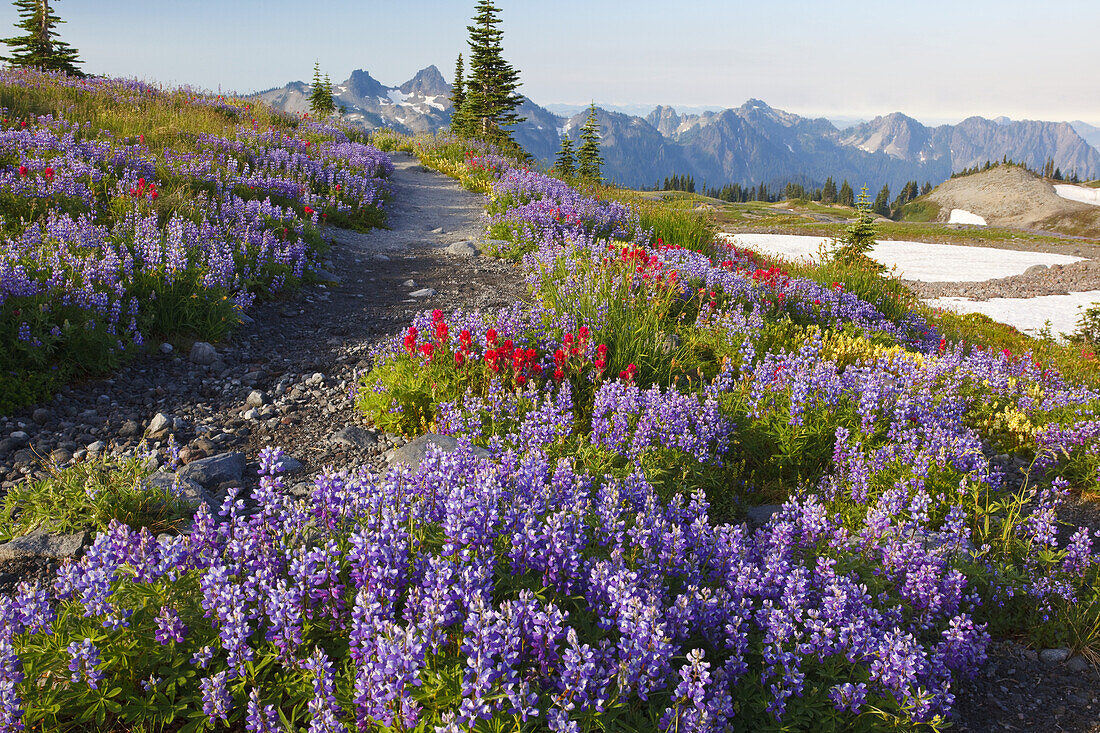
(354, 436)
(44, 545)
(256, 398)
(1078, 664)
(326, 277)
(1054, 656)
(215, 470)
(245, 319)
(437, 230)
(414, 452)
(422, 293)
(19, 438)
(1035, 269)
(288, 465)
(129, 429)
(41, 416)
(159, 426)
(188, 491)
(410, 283)
(60, 456)
(166, 348)
(96, 447)
(252, 414)
(463, 249)
(203, 353)
(758, 516)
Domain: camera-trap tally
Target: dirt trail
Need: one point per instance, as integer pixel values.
(302, 351)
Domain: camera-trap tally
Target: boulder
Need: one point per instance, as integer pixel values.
(203, 353)
(159, 427)
(256, 398)
(463, 249)
(354, 436)
(758, 516)
(414, 452)
(188, 491)
(41, 544)
(216, 470)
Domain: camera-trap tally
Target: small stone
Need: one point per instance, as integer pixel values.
(252, 414)
(80, 455)
(20, 438)
(203, 353)
(97, 447)
(129, 429)
(422, 293)
(245, 319)
(409, 283)
(256, 398)
(60, 456)
(216, 470)
(1054, 656)
(159, 427)
(354, 436)
(758, 516)
(414, 452)
(190, 492)
(41, 416)
(667, 343)
(463, 249)
(166, 348)
(289, 465)
(326, 277)
(1035, 269)
(1078, 664)
(41, 544)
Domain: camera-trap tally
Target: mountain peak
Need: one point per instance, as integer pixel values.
(428, 82)
(363, 85)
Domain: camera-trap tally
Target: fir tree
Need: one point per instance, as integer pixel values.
(458, 100)
(321, 103)
(39, 46)
(846, 197)
(489, 109)
(565, 164)
(828, 192)
(926, 188)
(882, 201)
(858, 240)
(589, 160)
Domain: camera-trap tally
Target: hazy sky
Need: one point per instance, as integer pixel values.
(934, 60)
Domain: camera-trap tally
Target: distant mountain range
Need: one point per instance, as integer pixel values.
(751, 144)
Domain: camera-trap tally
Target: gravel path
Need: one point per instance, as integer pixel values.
(301, 354)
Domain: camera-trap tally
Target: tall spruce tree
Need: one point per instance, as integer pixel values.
(39, 46)
(882, 201)
(491, 97)
(458, 100)
(846, 197)
(828, 191)
(321, 102)
(565, 165)
(589, 160)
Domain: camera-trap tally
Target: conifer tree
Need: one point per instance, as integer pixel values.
(565, 165)
(846, 197)
(491, 100)
(828, 192)
(852, 249)
(926, 188)
(589, 160)
(458, 100)
(882, 201)
(321, 103)
(39, 45)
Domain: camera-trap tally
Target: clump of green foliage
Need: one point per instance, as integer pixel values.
(89, 496)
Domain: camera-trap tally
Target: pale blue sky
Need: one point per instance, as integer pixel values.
(932, 59)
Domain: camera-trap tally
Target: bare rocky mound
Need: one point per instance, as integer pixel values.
(1010, 196)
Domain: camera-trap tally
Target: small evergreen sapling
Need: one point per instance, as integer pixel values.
(321, 102)
(853, 248)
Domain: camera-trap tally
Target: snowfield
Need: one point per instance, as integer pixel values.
(1027, 314)
(921, 261)
(962, 216)
(1078, 193)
